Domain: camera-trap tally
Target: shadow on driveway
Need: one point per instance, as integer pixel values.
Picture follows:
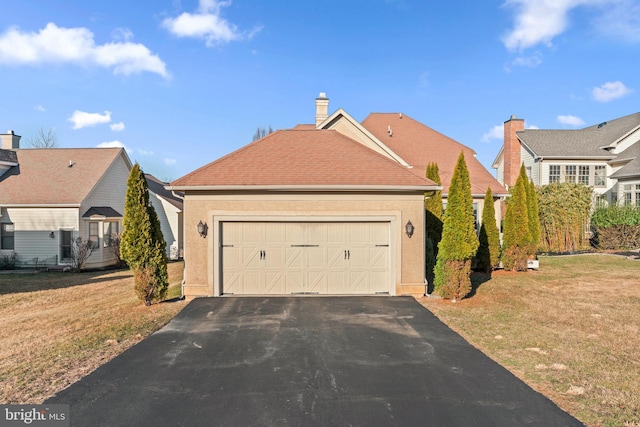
(324, 361)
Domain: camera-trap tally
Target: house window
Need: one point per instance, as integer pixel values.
(554, 173)
(600, 176)
(475, 216)
(6, 236)
(583, 174)
(111, 230)
(94, 237)
(631, 195)
(570, 173)
(66, 242)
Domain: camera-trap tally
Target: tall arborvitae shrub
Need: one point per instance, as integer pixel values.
(433, 208)
(516, 239)
(142, 246)
(488, 256)
(565, 211)
(459, 241)
(534, 217)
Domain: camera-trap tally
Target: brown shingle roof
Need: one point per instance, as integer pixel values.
(300, 158)
(419, 145)
(43, 176)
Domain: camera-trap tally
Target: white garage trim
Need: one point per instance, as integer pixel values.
(219, 218)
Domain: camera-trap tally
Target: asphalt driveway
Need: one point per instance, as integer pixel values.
(305, 361)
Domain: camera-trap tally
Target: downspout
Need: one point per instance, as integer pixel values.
(424, 240)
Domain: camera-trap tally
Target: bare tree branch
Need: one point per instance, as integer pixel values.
(44, 139)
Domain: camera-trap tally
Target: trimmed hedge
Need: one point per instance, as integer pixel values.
(616, 227)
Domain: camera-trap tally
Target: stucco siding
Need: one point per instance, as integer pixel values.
(33, 227)
(200, 253)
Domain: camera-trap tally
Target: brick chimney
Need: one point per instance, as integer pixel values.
(322, 108)
(511, 153)
(10, 141)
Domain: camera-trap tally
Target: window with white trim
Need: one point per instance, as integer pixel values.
(7, 232)
(631, 194)
(600, 177)
(111, 230)
(570, 173)
(94, 237)
(554, 173)
(584, 172)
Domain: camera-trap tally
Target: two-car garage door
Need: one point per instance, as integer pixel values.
(305, 257)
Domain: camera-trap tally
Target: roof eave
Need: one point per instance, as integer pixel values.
(40, 205)
(312, 188)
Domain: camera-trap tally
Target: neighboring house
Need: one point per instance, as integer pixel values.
(328, 208)
(168, 207)
(49, 197)
(605, 156)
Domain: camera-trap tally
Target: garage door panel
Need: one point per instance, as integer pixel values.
(314, 257)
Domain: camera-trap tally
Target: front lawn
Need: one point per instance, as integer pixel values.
(570, 330)
(57, 327)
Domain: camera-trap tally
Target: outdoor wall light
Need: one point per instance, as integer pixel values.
(202, 229)
(51, 235)
(409, 228)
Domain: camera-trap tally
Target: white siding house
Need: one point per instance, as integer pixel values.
(605, 157)
(168, 207)
(50, 197)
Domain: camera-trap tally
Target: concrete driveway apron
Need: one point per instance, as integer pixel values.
(306, 361)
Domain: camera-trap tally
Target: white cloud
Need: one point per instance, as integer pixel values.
(111, 144)
(145, 152)
(610, 91)
(170, 162)
(540, 21)
(39, 108)
(54, 44)
(123, 34)
(620, 20)
(537, 21)
(496, 132)
(82, 119)
(117, 127)
(530, 61)
(571, 120)
(207, 24)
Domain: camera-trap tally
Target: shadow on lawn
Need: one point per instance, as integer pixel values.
(477, 279)
(11, 283)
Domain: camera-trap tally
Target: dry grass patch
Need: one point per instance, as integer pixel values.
(58, 327)
(569, 330)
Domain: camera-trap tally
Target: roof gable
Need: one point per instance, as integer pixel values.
(591, 142)
(303, 158)
(341, 121)
(158, 187)
(55, 176)
(420, 145)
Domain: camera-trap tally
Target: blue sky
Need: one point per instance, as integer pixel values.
(181, 83)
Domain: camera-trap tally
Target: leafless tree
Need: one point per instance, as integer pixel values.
(81, 250)
(44, 139)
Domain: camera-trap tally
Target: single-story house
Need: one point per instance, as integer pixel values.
(49, 197)
(335, 207)
(605, 156)
(168, 207)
